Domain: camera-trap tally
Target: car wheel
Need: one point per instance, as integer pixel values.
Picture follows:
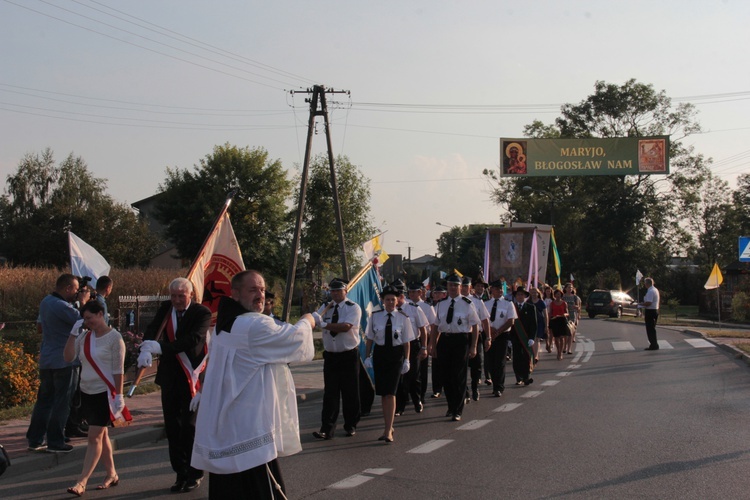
(591, 315)
(618, 313)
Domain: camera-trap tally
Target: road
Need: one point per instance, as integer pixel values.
(610, 421)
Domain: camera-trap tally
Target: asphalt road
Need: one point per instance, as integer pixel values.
(610, 421)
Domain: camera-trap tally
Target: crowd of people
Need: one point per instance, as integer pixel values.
(233, 415)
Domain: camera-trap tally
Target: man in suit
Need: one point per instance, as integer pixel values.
(182, 348)
(522, 336)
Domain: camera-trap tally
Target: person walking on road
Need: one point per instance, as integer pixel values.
(101, 351)
(650, 306)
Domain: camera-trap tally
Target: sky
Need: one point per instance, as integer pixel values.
(134, 87)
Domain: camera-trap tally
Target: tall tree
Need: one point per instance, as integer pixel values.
(620, 222)
(43, 201)
(462, 248)
(320, 242)
(191, 199)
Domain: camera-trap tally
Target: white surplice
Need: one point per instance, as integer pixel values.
(248, 409)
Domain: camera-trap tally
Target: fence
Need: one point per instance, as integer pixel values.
(137, 311)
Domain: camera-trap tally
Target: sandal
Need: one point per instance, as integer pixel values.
(109, 481)
(77, 489)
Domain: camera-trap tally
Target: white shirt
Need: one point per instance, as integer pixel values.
(652, 295)
(481, 310)
(504, 311)
(417, 317)
(248, 410)
(109, 353)
(464, 315)
(349, 312)
(428, 310)
(401, 327)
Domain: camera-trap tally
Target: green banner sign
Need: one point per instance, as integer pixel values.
(558, 157)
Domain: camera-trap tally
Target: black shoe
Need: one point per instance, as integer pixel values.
(475, 395)
(323, 435)
(651, 348)
(497, 394)
(65, 448)
(350, 432)
(178, 485)
(449, 413)
(40, 447)
(435, 395)
(418, 407)
(488, 381)
(399, 413)
(529, 381)
(191, 484)
(456, 417)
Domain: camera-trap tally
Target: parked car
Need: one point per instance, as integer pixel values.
(613, 303)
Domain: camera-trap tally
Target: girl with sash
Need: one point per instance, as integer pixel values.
(101, 351)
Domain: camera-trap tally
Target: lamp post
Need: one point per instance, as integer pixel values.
(549, 197)
(408, 249)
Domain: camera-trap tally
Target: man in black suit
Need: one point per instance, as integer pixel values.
(182, 348)
(522, 337)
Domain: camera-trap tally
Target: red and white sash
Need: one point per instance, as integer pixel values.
(90, 353)
(187, 367)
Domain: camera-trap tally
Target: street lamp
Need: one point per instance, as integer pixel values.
(549, 197)
(408, 248)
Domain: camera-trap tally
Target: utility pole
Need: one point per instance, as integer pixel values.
(318, 107)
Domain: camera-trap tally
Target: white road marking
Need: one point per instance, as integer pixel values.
(588, 356)
(350, 482)
(589, 345)
(550, 383)
(474, 425)
(573, 367)
(577, 356)
(377, 472)
(663, 344)
(562, 374)
(622, 346)
(531, 394)
(699, 343)
(430, 446)
(507, 407)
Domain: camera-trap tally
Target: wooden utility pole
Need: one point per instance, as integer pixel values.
(318, 107)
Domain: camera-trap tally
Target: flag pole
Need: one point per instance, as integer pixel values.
(142, 371)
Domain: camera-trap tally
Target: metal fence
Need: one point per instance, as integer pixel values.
(137, 311)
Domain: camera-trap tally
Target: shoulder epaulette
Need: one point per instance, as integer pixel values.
(402, 312)
(349, 303)
(467, 300)
(378, 311)
(413, 304)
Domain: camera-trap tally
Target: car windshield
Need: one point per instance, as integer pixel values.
(599, 296)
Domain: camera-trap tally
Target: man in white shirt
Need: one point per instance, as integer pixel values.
(650, 305)
(339, 320)
(248, 414)
(502, 316)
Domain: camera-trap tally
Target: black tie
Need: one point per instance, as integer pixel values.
(179, 317)
(449, 316)
(494, 310)
(389, 332)
(334, 319)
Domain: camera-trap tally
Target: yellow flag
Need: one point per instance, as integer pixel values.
(715, 279)
(374, 252)
(457, 273)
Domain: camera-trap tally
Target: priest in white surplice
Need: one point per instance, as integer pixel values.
(248, 406)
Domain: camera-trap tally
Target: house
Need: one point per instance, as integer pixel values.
(166, 255)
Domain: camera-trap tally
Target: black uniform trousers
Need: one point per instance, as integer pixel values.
(650, 316)
(423, 368)
(521, 359)
(475, 364)
(410, 384)
(453, 353)
(437, 383)
(341, 383)
(495, 360)
(179, 425)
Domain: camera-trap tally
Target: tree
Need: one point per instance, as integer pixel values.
(191, 199)
(620, 222)
(43, 201)
(319, 240)
(462, 248)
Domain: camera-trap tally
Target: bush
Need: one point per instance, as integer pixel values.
(19, 378)
(740, 306)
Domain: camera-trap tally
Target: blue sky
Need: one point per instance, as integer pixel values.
(135, 87)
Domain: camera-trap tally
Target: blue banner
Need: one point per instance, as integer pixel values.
(366, 293)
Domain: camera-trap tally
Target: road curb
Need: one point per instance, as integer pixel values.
(737, 353)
